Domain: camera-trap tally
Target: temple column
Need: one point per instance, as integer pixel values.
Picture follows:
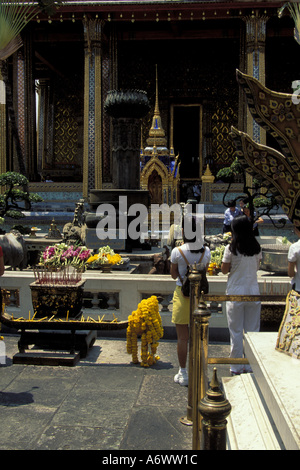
(45, 126)
(20, 96)
(30, 114)
(254, 65)
(24, 105)
(2, 126)
(92, 145)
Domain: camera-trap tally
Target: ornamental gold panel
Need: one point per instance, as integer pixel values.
(222, 146)
(65, 134)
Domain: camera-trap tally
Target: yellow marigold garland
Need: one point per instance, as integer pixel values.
(145, 322)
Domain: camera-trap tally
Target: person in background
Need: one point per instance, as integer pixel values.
(229, 215)
(242, 203)
(195, 252)
(197, 192)
(259, 220)
(294, 262)
(241, 260)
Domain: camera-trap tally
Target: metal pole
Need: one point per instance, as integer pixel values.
(195, 278)
(201, 321)
(214, 408)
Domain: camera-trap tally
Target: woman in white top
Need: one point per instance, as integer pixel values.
(241, 260)
(181, 304)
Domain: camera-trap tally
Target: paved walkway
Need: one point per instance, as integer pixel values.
(103, 403)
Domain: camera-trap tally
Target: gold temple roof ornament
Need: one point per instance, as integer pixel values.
(157, 136)
(159, 166)
(280, 116)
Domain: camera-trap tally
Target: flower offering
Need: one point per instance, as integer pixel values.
(61, 254)
(62, 263)
(146, 322)
(105, 255)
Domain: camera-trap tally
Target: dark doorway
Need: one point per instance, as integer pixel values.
(186, 127)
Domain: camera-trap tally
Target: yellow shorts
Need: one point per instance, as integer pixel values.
(181, 308)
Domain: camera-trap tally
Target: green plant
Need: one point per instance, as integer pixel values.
(14, 16)
(228, 173)
(16, 197)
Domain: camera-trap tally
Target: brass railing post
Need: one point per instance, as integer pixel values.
(214, 408)
(200, 351)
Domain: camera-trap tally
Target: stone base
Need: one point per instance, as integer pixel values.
(46, 359)
(249, 426)
(278, 378)
(57, 341)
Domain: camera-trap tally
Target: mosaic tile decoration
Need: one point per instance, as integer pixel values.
(21, 100)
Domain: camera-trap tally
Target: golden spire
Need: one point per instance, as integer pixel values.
(156, 133)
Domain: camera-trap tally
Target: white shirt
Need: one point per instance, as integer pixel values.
(242, 279)
(294, 257)
(192, 258)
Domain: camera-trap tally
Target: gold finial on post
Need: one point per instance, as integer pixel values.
(214, 408)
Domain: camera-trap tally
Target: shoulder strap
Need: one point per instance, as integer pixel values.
(181, 252)
(201, 257)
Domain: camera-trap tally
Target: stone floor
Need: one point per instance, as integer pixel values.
(103, 403)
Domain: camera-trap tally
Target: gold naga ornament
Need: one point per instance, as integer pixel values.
(278, 172)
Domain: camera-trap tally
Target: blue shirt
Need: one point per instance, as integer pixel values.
(229, 215)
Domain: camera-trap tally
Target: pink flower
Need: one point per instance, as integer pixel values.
(84, 254)
(49, 252)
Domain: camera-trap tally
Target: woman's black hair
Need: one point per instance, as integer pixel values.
(190, 233)
(243, 239)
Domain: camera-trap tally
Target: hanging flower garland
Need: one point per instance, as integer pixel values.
(145, 322)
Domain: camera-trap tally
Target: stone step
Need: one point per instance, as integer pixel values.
(278, 379)
(250, 427)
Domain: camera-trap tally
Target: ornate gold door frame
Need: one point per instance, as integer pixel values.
(200, 151)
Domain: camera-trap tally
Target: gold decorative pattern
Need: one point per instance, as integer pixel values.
(65, 134)
(276, 113)
(223, 150)
(273, 170)
(280, 172)
(169, 184)
(288, 340)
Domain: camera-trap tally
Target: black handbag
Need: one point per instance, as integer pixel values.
(185, 282)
